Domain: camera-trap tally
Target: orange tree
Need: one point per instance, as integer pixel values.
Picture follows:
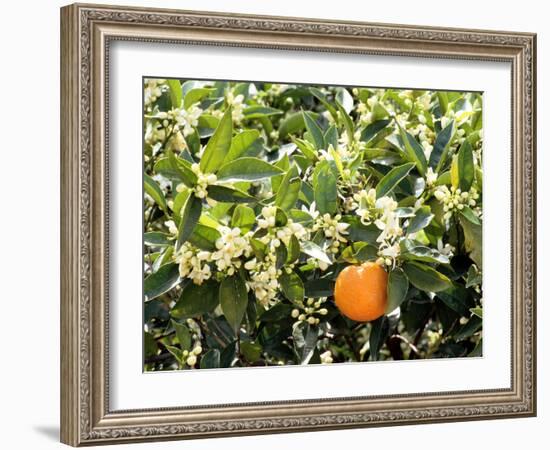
(258, 199)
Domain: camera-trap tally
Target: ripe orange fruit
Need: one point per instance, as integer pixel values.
(361, 292)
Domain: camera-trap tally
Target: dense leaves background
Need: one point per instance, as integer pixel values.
(257, 195)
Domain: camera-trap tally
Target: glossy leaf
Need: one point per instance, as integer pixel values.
(233, 300)
(160, 282)
(392, 179)
(398, 285)
(196, 300)
(247, 169)
(218, 145)
(426, 278)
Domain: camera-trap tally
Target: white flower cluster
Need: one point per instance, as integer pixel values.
(454, 199)
(154, 133)
(391, 231)
(188, 119)
(231, 246)
(264, 274)
(276, 235)
(194, 263)
(431, 177)
(334, 230)
(425, 135)
(153, 90)
(310, 310)
(191, 356)
(237, 104)
(365, 205)
(365, 116)
(326, 357)
(381, 212)
(264, 279)
(203, 181)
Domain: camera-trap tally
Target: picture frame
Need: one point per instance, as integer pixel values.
(87, 32)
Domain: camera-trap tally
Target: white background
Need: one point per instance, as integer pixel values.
(130, 388)
(29, 373)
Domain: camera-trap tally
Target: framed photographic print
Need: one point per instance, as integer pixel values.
(254, 207)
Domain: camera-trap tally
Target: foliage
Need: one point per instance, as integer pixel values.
(257, 195)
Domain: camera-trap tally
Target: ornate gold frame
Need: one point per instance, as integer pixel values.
(86, 31)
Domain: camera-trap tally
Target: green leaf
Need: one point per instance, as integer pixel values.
(291, 124)
(325, 191)
(252, 351)
(348, 123)
(204, 237)
(306, 147)
(183, 335)
(323, 99)
(425, 278)
(370, 133)
(289, 190)
(241, 143)
(243, 217)
(227, 194)
(293, 250)
(319, 287)
(392, 179)
(473, 236)
(442, 143)
(475, 277)
(183, 168)
(233, 300)
(156, 239)
(176, 94)
(171, 169)
(195, 95)
(160, 282)
(313, 250)
(196, 300)
(413, 150)
(422, 253)
(331, 136)
(150, 347)
(228, 354)
(247, 169)
(179, 202)
(378, 333)
(154, 190)
(398, 285)
(359, 232)
(281, 255)
(176, 353)
(305, 341)
(211, 359)
(455, 297)
(421, 220)
(256, 112)
(218, 145)
(190, 214)
(477, 311)
(443, 102)
(466, 171)
(469, 328)
(468, 214)
(314, 131)
(292, 286)
(276, 313)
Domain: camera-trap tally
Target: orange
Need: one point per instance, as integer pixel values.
(361, 292)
